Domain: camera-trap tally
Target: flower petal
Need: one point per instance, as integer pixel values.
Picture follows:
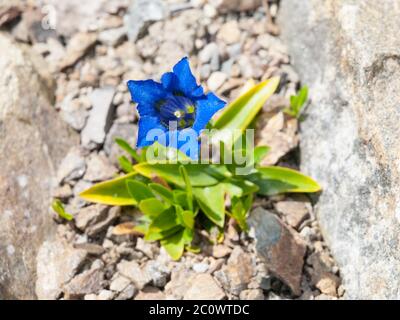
(186, 80)
(170, 82)
(150, 130)
(206, 108)
(146, 93)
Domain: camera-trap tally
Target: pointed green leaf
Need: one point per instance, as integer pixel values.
(138, 190)
(113, 192)
(188, 186)
(170, 172)
(259, 153)
(162, 191)
(239, 188)
(151, 207)
(185, 217)
(125, 164)
(124, 145)
(174, 244)
(275, 180)
(58, 207)
(212, 202)
(240, 113)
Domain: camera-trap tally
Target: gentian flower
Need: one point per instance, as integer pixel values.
(178, 101)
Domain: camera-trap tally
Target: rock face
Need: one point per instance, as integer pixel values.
(348, 52)
(33, 142)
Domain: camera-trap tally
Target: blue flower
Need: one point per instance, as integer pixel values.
(178, 101)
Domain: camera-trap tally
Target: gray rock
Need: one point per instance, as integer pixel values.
(77, 47)
(73, 112)
(126, 131)
(112, 37)
(280, 248)
(100, 118)
(157, 272)
(150, 293)
(105, 295)
(210, 54)
(84, 15)
(72, 167)
(88, 282)
(348, 54)
(112, 214)
(90, 215)
(200, 267)
(224, 6)
(141, 14)
(120, 283)
(134, 272)
(237, 273)
(177, 287)
(252, 294)
(99, 168)
(33, 142)
(216, 80)
(204, 287)
(127, 293)
(57, 263)
(145, 247)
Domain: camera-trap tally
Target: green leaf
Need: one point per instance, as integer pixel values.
(138, 190)
(185, 217)
(174, 245)
(297, 102)
(126, 147)
(240, 208)
(58, 207)
(157, 153)
(302, 97)
(170, 172)
(239, 188)
(240, 113)
(276, 180)
(180, 198)
(163, 192)
(113, 192)
(212, 202)
(259, 153)
(151, 207)
(189, 191)
(125, 164)
(155, 236)
(166, 220)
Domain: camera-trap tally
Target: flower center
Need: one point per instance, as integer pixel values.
(178, 109)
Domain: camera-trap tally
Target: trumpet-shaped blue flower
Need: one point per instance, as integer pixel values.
(177, 104)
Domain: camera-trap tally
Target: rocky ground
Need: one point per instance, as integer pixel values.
(94, 49)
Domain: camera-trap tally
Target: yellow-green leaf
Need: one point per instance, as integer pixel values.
(58, 207)
(151, 207)
(174, 244)
(275, 180)
(170, 172)
(240, 113)
(113, 192)
(212, 202)
(138, 190)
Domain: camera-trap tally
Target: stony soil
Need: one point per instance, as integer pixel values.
(92, 57)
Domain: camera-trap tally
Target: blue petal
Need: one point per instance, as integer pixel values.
(186, 80)
(146, 93)
(147, 138)
(206, 108)
(170, 82)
